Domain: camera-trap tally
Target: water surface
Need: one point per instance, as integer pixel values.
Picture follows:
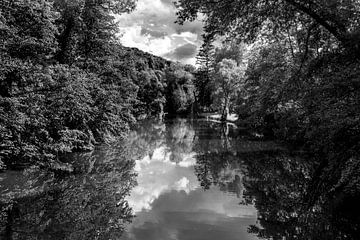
(170, 201)
(182, 179)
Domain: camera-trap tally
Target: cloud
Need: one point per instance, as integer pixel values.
(185, 51)
(153, 33)
(195, 27)
(152, 28)
(133, 38)
(198, 214)
(168, 2)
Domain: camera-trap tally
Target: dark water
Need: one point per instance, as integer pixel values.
(183, 180)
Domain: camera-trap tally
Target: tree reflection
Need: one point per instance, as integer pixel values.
(180, 140)
(176, 136)
(293, 200)
(210, 168)
(146, 138)
(88, 205)
(279, 185)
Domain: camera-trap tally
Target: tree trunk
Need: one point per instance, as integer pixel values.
(225, 111)
(161, 113)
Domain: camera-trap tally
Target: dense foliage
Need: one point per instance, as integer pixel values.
(66, 83)
(180, 89)
(302, 72)
(302, 77)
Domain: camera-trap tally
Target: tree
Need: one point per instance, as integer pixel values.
(247, 19)
(55, 95)
(88, 28)
(321, 42)
(230, 50)
(266, 89)
(27, 33)
(303, 80)
(204, 75)
(228, 80)
(180, 89)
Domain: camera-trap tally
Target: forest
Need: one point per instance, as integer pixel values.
(299, 82)
(289, 69)
(67, 84)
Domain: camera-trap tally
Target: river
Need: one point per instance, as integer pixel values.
(183, 179)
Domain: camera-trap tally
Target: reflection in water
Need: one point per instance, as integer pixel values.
(253, 189)
(87, 205)
(195, 180)
(180, 140)
(281, 186)
(170, 203)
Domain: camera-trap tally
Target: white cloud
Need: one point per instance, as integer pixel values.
(132, 37)
(151, 28)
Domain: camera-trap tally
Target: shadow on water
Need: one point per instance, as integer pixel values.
(196, 180)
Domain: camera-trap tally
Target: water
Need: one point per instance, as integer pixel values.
(170, 202)
(183, 179)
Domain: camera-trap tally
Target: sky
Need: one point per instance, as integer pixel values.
(152, 28)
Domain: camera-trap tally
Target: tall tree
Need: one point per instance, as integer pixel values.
(88, 28)
(203, 77)
(228, 82)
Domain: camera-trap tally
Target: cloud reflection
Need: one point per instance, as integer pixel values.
(158, 174)
(195, 215)
(170, 204)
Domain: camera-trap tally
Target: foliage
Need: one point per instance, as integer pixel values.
(203, 89)
(147, 72)
(245, 20)
(207, 79)
(180, 90)
(55, 96)
(160, 83)
(301, 84)
(228, 82)
(67, 84)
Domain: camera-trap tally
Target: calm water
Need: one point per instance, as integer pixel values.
(183, 180)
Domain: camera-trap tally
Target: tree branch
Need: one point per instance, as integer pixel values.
(337, 33)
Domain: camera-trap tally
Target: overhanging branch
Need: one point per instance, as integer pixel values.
(337, 33)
